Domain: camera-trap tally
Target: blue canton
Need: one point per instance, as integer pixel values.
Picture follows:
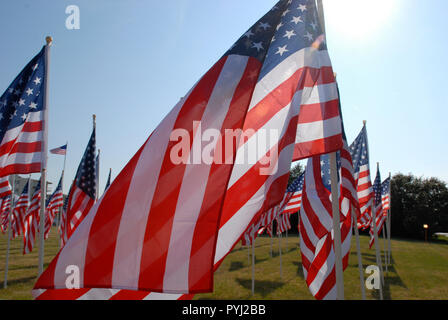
(359, 150)
(86, 173)
(377, 189)
(297, 184)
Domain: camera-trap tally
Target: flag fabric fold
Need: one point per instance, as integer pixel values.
(19, 212)
(55, 202)
(32, 218)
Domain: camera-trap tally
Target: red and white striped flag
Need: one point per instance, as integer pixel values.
(359, 151)
(55, 202)
(164, 217)
(19, 212)
(283, 223)
(381, 192)
(82, 194)
(22, 125)
(316, 226)
(5, 187)
(32, 221)
(4, 213)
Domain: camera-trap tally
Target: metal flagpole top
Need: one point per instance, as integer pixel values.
(49, 40)
(94, 120)
(364, 122)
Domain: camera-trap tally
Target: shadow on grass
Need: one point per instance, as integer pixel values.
(18, 281)
(262, 287)
(236, 265)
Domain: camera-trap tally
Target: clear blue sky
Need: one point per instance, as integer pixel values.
(132, 60)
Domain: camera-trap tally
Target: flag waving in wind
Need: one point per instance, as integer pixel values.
(32, 219)
(20, 210)
(377, 207)
(172, 214)
(22, 120)
(62, 150)
(5, 187)
(82, 194)
(55, 202)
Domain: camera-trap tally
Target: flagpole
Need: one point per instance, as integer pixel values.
(336, 227)
(388, 222)
(358, 253)
(377, 247)
(280, 253)
(253, 264)
(5, 283)
(43, 177)
(62, 189)
(385, 247)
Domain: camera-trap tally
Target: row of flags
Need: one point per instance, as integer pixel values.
(161, 229)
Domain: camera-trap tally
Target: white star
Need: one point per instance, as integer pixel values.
(273, 39)
(279, 26)
(33, 105)
(265, 26)
(296, 20)
(309, 36)
(258, 46)
(249, 34)
(23, 116)
(302, 7)
(314, 26)
(29, 91)
(37, 80)
(21, 102)
(285, 12)
(289, 34)
(281, 50)
(35, 66)
(11, 90)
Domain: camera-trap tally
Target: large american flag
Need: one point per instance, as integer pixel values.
(19, 212)
(32, 219)
(22, 120)
(82, 194)
(165, 220)
(5, 187)
(359, 151)
(55, 202)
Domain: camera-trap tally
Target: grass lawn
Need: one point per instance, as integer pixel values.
(419, 271)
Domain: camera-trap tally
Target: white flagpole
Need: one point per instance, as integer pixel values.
(377, 247)
(5, 283)
(280, 253)
(253, 264)
(358, 252)
(334, 196)
(43, 177)
(385, 247)
(336, 227)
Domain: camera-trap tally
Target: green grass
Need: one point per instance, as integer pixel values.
(419, 271)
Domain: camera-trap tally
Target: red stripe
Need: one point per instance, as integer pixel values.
(319, 111)
(164, 203)
(33, 126)
(317, 147)
(19, 168)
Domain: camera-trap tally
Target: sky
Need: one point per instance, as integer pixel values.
(131, 61)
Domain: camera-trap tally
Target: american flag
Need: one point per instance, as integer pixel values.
(385, 195)
(4, 213)
(295, 191)
(32, 219)
(359, 151)
(377, 207)
(62, 150)
(55, 202)
(5, 187)
(19, 212)
(316, 220)
(162, 218)
(283, 223)
(22, 120)
(82, 194)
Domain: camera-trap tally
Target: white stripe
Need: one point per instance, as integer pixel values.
(12, 134)
(20, 158)
(311, 131)
(139, 197)
(162, 296)
(98, 294)
(195, 178)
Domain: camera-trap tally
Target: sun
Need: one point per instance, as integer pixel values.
(358, 18)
